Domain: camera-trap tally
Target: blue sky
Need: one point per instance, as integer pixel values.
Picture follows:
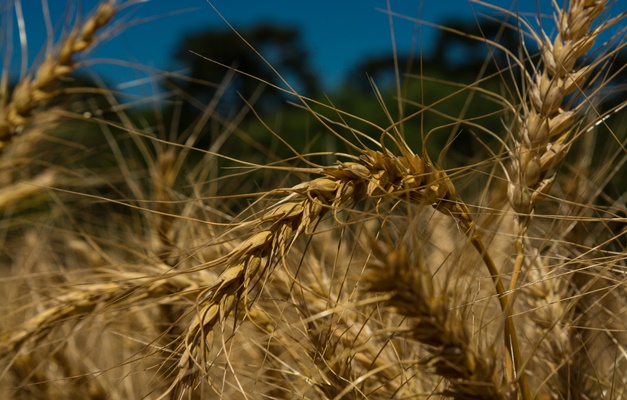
(337, 33)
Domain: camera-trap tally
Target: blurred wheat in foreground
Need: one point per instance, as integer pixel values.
(138, 264)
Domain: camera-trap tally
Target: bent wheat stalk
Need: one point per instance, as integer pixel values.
(378, 176)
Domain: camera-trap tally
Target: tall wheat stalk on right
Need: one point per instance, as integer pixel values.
(562, 94)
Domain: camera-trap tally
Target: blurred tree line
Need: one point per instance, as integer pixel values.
(432, 83)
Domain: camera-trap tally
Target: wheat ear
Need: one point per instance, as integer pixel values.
(545, 126)
(409, 288)
(543, 132)
(124, 288)
(32, 91)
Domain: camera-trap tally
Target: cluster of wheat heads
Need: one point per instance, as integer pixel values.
(383, 275)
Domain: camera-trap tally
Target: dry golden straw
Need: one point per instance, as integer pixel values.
(146, 273)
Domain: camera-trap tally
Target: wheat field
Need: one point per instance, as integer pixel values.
(138, 263)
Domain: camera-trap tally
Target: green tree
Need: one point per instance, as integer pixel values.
(208, 56)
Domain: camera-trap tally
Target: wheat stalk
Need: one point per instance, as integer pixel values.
(295, 214)
(546, 124)
(35, 90)
(471, 375)
(341, 344)
(123, 288)
(543, 134)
